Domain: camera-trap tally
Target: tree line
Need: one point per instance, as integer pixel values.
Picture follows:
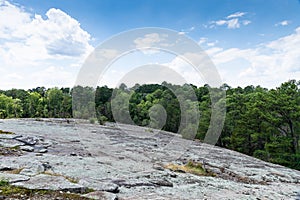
(260, 122)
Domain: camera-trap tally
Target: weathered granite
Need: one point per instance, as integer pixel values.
(49, 182)
(130, 164)
(98, 195)
(13, 178)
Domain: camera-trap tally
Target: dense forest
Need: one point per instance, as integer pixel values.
(260, 122)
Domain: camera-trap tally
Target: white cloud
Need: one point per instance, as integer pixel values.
(186, 31)
(246, 22)
(51, 76)
(148, 40)
(235, 15)
(231, 24)
(28, 42)
(214, 50)
(232, 21)
(221, 22)
(202, 40)
(268, 64)
(283, 23)
(186, 71)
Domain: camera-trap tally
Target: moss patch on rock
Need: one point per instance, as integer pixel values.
(9, 191)
(191, 167)
(6, 132)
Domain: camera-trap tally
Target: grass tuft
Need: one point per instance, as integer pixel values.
(6, 132)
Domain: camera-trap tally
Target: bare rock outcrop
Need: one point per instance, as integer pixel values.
(130, 162)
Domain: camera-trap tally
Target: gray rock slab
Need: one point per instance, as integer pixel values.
(100, 195)
(27, 148)
(13, 178)
(33, 170)
(48, 182)
(100, 185)
(107, 158)
(28, 140)
(10, 143)
(8, 136)
(42, 150)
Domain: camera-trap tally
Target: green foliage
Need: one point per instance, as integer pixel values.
(92, 120)
(3, 183)
(259, 122)
(261, 154)
(102, 119)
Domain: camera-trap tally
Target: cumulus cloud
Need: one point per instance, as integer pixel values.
(268, 64)
(232, 21)
(59, 34)
(29, 41)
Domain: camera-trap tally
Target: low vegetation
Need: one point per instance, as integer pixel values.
(6, 132)
(191, 167)
(12, 192)
(10, 151)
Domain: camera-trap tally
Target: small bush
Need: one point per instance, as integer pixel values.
(102, 119)
(92, 120)
(261, 154)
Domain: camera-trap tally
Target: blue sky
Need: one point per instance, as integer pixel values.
(250, 41)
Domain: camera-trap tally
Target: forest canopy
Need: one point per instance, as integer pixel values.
(260, 122)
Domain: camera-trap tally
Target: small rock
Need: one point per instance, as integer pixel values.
(173, 175)
(28, 140)
(75, 141)
(27, 148)
(73, 154)
(43, 150)
(101, 195)
(46, 166)
(164, 183)
(158, 167)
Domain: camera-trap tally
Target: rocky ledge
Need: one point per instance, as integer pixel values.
(129, 162)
